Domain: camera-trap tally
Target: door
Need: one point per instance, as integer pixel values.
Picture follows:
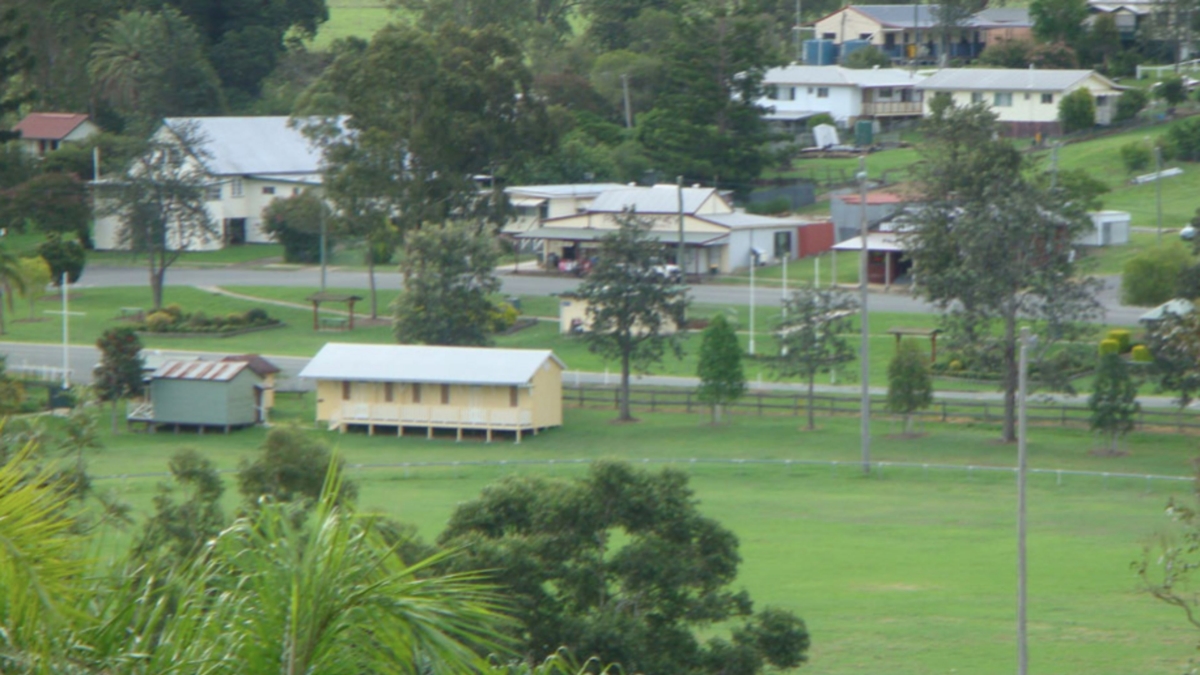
(235, 231)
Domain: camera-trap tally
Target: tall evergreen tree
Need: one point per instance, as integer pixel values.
(15, 61)
(631, 306)
(722, 379)
(1113, 401)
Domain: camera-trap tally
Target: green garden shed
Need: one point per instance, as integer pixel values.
(204, 395)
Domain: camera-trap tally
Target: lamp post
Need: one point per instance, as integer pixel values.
(864, 347)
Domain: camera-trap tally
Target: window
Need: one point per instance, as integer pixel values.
(237, 188)
(976, 97)
(345, 391)
(445, 394)
(416, 393)
(1002, 99)
(269, 190)
(389, 393)
(885, 92)
(828, 36)
(810, 91)
(773, 92)
(822, 92)
(212, 193)
(1026, 97)
(864, 36)
(1047, 99)
(514, 397)
(789, 94)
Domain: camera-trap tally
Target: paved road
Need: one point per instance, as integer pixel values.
(84, 358)
(528, 284)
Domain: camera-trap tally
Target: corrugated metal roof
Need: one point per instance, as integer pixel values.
(238, 146)
(657, 199)
(565, 190)
(257, 363)
(49, 126)
(740, 220)
(839, 76)
(211, 371)
(593, 234)
(1004, 79)
(427, 364)
(901, 16)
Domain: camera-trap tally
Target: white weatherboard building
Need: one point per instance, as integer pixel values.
(249, 162)
(1024, 100)
(795, 93)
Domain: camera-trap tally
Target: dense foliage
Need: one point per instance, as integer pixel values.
(722, 379)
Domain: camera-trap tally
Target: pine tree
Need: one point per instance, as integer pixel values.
(1114, 399)
(910, 385)
(722, 379)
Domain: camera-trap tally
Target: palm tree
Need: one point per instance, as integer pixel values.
(269, 597)
(119, 59)
(40, 563)
(11, 279)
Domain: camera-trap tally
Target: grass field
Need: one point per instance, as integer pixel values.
(353, 18)
(905, 572)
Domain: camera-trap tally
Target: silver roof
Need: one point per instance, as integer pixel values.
(252, 145)
(901, 16)
(595, 234)
(657, 199)
(427, 364)
(567, 190)
(839, 76)
(740, 220)
(1005, 79)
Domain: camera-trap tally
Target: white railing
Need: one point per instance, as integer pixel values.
(435, 415)
(892, 108)
(1157, 71)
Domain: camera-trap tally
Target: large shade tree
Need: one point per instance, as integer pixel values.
(635, 313)
(993, 243)
(620, 564)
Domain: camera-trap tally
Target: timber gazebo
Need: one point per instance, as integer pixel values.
(329, 322)
(930, 333)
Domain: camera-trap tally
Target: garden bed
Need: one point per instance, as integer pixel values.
(208, 334)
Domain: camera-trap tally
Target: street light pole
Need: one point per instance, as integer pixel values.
(864, 347)
(1022, 572)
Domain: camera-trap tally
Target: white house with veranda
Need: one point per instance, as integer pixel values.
(249, 162)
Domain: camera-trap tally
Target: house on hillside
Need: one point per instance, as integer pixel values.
(432, 388)
(1025, 100)
(716, 236)
(906, 32)
(45, 132)
(795, 93)
(1129, 15)
(249, 161)
(204, 395)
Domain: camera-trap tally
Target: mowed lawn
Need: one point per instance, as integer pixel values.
(908, 571)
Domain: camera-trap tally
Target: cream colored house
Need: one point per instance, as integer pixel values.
(46, 132)
(429, 388)
(532, 204)
(905, 32)
(1025, 100)
(716, 236)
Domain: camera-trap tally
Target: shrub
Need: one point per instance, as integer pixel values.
(820, 118)
(234, 319)
(1170, 90)
(256, 315)
(1130, 104)
(1109, 347)
(867, 57)
(1077, 111)
(503, 317)
(1123, 337)
(1151, 277)
(1135, 156)
(1182, 140)
(198, 320)
(159, 322)
(174, 310)
(955, 366)
(1140, 354)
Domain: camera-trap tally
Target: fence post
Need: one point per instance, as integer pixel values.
(689, 401)
(796, 407)
(617, 398)
(1064, 415)
(943, 411)
(652, 401)
(986, 416)
(580, 390)
(760, 408)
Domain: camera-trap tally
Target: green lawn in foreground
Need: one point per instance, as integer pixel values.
(908, 572)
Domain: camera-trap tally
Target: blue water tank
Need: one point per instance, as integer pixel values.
(851, 46)
(820, 52)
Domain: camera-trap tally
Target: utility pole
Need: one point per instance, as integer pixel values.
(321, 219)
(1022, 572)
(679, 255)
(625, 92)
(1158, 188)
(864, 347)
